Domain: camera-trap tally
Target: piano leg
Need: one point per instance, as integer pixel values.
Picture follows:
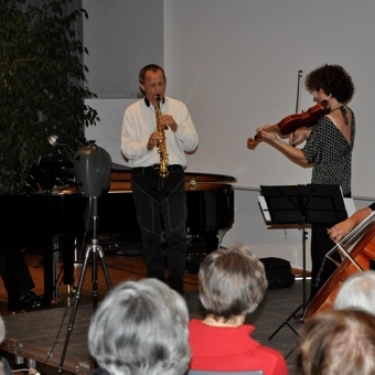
(63, 245)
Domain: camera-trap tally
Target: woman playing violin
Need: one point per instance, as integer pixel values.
(328, 150)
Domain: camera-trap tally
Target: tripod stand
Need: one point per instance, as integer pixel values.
(92, 165)
(301, 205)
(93, 251)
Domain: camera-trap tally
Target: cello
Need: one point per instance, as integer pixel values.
(357, 249)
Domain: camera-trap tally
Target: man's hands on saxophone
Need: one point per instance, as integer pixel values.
(154, 140)
(168, 122)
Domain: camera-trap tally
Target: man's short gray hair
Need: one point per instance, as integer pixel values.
(141, 327)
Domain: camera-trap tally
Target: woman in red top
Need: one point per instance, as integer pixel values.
(232, 283)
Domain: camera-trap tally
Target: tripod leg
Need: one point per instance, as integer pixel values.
(93, 249)
(97, 250)
(73, 313)
(94, 277)
(104, 266)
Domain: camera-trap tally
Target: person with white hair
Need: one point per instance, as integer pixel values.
(5, 368)
(357, 292)
(140, 328)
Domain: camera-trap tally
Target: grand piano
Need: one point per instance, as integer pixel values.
(39, 217)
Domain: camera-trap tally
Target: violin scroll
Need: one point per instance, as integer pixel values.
(252, 142)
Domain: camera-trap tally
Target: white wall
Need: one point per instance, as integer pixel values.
(235, 64)
(107, 134)
(121, 36)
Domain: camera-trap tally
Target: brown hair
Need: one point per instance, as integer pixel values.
(338, 342)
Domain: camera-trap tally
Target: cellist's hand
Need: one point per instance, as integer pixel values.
(299, 136)
(340, 230)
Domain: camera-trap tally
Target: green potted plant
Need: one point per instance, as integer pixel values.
(42, 84)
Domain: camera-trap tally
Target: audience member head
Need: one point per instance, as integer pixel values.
(2, 329)
(5, 368)
(357, 292)
(141, 327)
(232, 282)
(337, 342)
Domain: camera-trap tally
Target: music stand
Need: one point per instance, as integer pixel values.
(301, 205)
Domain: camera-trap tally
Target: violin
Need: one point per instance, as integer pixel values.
(293, 122)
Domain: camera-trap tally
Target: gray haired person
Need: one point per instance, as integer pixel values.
(141, 327)
(5, 368)
(357, 292)
(232, 284)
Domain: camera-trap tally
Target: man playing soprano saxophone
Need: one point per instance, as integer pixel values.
(160, 202)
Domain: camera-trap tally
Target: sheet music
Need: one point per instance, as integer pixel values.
(264, 208)
(349, 205)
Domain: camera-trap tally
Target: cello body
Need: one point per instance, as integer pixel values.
(361, 255)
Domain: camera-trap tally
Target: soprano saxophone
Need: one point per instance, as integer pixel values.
(163, 172)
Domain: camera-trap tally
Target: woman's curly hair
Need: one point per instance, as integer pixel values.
(333, 80)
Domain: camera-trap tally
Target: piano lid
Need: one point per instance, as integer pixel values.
(121, 177)
(122, 173)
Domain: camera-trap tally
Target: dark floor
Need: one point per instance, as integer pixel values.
(276, 308)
